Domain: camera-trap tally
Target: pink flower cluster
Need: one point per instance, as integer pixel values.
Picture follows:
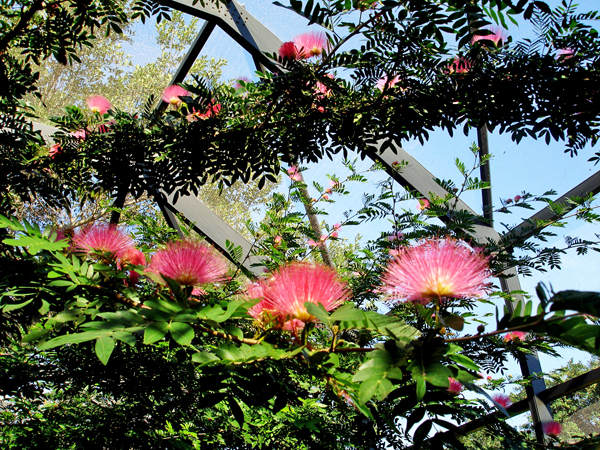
(458, 66)
(455, 387)
(385, 83)
(496, 35)
(552, 429)
(189, 263)
(172, 94)
(304, 46)
(502, 399)
(283, 295)
(516, 336)
(212, 110)
(436, 269)
(107, 239)
(98, 104)
(294, 174)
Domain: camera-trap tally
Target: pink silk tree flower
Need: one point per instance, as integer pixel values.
(55, 151)
(321, 90)
(383, 83)
(455, 387)
(134, 257)
(172, 93)
(310, 44)
(103, 239)
(98, 104)
(564, 54)
(79, 134)
(497, 35)
(293, 285)
(290, 51)
(434, 269)
(502, 399)
(189, 263)
(515, 336)
(423, 204)
(552, 429)
(459, 66)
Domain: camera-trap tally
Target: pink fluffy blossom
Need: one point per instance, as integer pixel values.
(293, 285)
(310, 44)
(134, 257)
(212, 110)
(459, 66)
(187, 262)
(79, 134)
(321, 90)
(103, 239)
(497, 35)
(515, 336)
(383, 82)
(172, 93)
(552, 429)
(289, 50)
(455, 387)
(55, 151)
(294, 174)
(98, 104)
(565, 53)
(423, 204)
(435, 269)
(502, 399)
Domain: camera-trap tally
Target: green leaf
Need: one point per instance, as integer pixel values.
(437, 374)
(181, 332)
(155, 332)
(35, 244)
(104, 348)
(464, 361)
(75, 338)
(583, 302)
(12, 307)
(204, 358)
(455, 322)
(318, 311)
(237, 412)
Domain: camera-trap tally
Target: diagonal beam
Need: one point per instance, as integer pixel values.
(417, 178)
(238, 23)
(216, 230)
(529, 226)
(547, 396)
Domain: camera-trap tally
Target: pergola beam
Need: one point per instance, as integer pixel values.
(238, 23)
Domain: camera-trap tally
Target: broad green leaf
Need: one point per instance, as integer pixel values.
(437, 374)
(583, 302)
(464, 361)
(374, 387)
(161, 305)
(204, 357)
(317, 310)
(35, 244)
(181, 332)
(455, 322)
(155, 332)
(104, 348)
(12, 307)
(75, 338)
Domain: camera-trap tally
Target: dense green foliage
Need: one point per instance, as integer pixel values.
(90, 359)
